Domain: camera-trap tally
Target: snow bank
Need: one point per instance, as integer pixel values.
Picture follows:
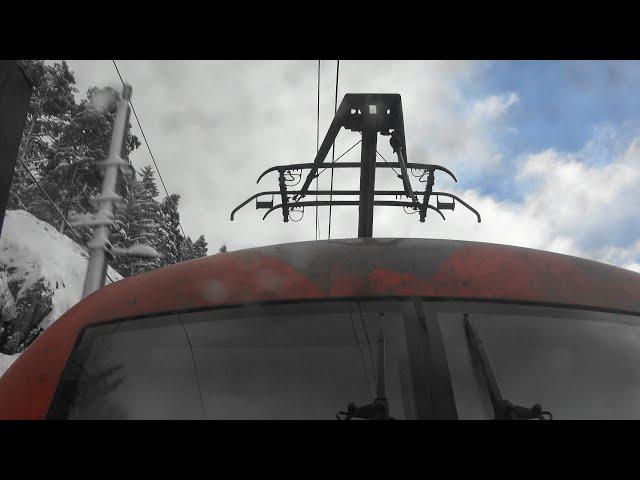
(31, 249)
(6, 361)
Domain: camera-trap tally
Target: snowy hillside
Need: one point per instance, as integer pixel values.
(41, 277)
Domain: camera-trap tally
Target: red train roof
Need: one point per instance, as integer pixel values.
(446, 269)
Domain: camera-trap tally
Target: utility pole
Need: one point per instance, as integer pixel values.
(99, 246)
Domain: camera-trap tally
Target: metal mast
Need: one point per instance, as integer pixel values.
(99, 246)
(367, 182)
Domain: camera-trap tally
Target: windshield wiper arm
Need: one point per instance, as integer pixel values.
(502, 409)
(378, 410)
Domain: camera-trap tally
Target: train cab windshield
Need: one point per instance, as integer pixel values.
(312, 360)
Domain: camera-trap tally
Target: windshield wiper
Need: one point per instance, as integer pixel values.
(378, 410)
(502, 409)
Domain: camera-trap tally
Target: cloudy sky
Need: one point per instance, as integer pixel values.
(548, 152)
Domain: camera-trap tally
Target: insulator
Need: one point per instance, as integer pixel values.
(90, 220)
(108, 196)
(263, 204)
(446, 205)
(137, 250)
(113, 161)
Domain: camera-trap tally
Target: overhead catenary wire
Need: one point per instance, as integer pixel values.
(400, 176)
(149, 149)
(333, 150)
(75, 234)
(343, 154)
(317, 149)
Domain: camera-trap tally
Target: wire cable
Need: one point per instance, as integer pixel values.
(395, 171)
(75, 234)
(364, 362)
(318, 149)
(195, 367)
(292, 178)
(301, 215)
(343, 154)
(366, 332)
(333, 151)
(149, 148)
(409, 213)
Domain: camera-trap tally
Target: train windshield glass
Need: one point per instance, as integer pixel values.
(315, 360)
(574, 364)
(278, 362)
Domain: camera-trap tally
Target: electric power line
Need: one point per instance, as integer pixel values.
(75, 234)
(333, 151)
(318, 148)
(149, 148)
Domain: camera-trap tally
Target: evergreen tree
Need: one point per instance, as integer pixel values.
(191, 249)
(50, 109)
(70, 171)
(146, 209)
(149, 182)
(200, 247)
(61, 142)
(186, 249)
(144, 220)
(169, 237)
(137, 223)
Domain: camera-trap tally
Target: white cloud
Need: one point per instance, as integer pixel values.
(633, 266)
(495, 106)
(571, 207)
(592, 204)
(215, 126)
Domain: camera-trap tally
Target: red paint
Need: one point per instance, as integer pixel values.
(316, 270)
